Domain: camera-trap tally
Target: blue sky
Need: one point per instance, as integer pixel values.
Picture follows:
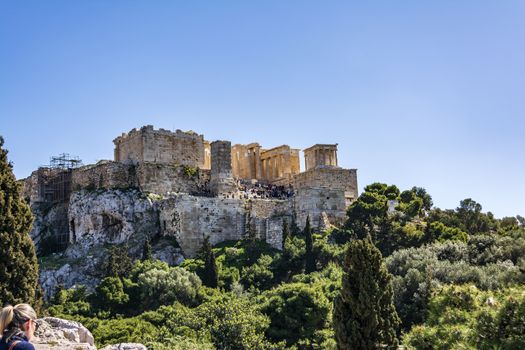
(426, 93)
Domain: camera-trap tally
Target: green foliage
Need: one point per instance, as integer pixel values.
(110, 294)
(118, 262)
(126, 330)
(190, 171)
(258, 275)
(19, 266)
(262, 294)
(210, 274)
(147, 253)
(292, 258)
(74, 301)
(309, 257)
(328, 279)
(464, 317)
(437, 231)
(369, 216)
(165, 286)
(225, 320)
(488, 261)
(364, 312)
(285, 232)
(234, 323)
(296, 311)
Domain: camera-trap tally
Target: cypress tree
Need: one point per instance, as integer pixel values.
(18, 263)
(146, 251)
(364, 314)
(286, 232)
(310, 257)
(210, 275)
(295, 230)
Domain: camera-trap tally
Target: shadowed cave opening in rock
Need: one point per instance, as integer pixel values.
(111, 225)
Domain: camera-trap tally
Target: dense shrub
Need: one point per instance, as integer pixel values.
(464, 317)
(296, 312)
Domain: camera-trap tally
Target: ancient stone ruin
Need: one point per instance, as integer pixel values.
(176, 187)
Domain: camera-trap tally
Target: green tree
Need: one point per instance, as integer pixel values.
(110, 294)
(258, 275)
(234, 323)
(438, 231)
(364, 313)
(164, 286)
(210, 274)
(309, 256)
(297, 311)
(286, 232)
(146, 251)
(118, 262)
(18, 263)
(425, 197)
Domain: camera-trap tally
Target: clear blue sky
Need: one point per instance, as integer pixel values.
(427, 93)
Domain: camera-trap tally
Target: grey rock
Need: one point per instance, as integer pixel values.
(125, 346)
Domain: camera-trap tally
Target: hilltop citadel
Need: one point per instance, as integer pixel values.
(178, 185)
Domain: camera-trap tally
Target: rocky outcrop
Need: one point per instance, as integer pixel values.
(58, 334)
(67, 276)
(175, 225)
(125, 346)
(111, 216)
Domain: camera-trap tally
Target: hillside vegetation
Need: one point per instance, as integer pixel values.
(457, 278)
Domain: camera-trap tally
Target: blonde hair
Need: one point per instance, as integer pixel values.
(15, 316)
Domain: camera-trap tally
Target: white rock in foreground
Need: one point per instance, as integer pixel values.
(58, 334)
(57, 331)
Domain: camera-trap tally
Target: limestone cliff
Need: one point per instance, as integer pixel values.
(175, 224)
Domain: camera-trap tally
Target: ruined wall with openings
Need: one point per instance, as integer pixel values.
(189, 219)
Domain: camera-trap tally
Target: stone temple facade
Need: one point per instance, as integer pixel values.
(178, 186)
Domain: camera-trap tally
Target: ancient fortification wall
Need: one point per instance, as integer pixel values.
(104, 174)
(222, 183)
(324, 189)
(189, 219)
(160, 146)
(164, 178)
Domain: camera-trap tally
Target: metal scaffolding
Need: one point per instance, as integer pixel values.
(64, 161)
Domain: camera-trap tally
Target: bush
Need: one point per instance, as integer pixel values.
(296, 311)
(464, 317)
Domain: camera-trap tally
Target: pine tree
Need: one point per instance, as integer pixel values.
(18, 263)
(210, 275)
(286, 232)
(364, 314)
(310, 257)
(146, 251)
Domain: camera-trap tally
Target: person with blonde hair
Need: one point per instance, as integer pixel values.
(17, 326)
